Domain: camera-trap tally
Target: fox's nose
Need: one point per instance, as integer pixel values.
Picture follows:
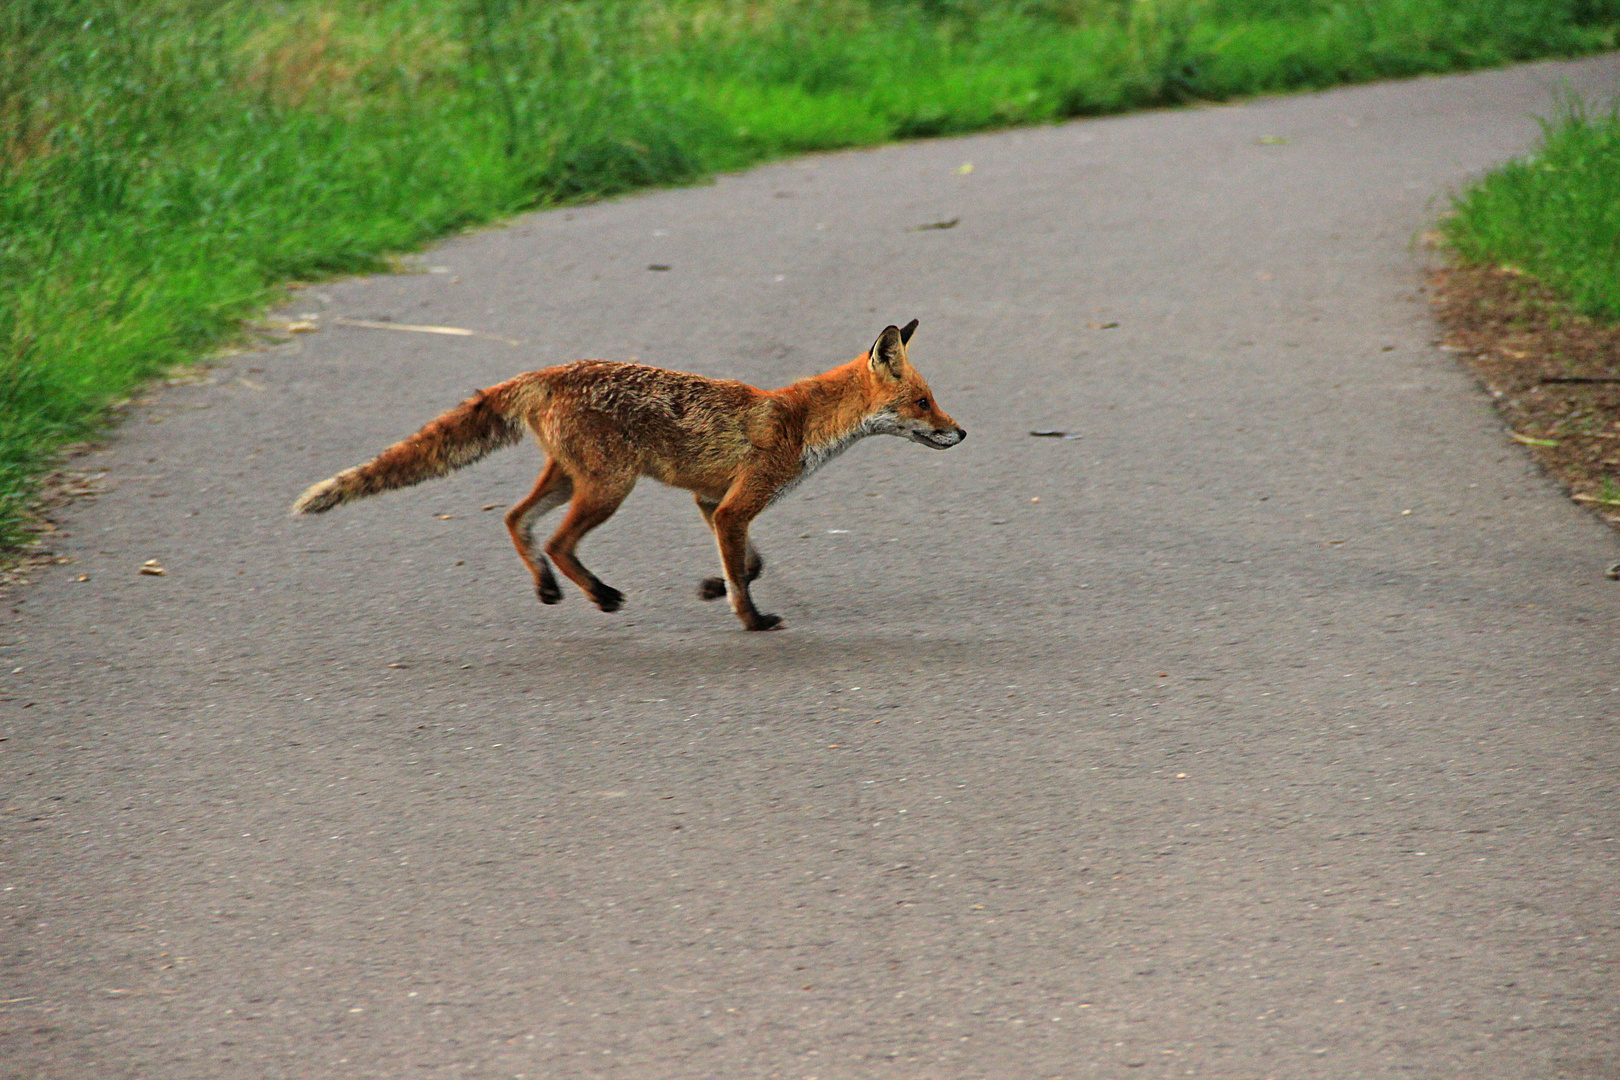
(961, 433)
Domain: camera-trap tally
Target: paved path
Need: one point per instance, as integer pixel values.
(1276, 739)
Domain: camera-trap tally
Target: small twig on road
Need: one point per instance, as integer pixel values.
(453, 331)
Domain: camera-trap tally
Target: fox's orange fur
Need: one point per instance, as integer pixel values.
(603, 425)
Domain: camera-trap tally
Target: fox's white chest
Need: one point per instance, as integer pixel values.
(815, 456)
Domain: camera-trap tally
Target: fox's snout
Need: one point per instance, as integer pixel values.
(937, 439)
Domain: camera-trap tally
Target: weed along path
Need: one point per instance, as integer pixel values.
(1263, 727)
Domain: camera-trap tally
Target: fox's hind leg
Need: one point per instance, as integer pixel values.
(593, 503)
(552, 490)
(714, 588)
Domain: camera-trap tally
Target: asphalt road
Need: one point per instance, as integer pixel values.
(1266, 729)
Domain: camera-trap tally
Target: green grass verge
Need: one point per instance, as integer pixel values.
(1554, 214)
(166, 164)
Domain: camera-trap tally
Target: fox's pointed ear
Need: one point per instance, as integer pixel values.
(906, 331)
(889, 353)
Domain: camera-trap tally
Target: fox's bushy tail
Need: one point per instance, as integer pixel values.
(484, 423)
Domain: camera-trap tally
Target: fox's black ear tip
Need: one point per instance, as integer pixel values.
(907, 330)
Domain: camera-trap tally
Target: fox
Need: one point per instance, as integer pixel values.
(605, 424)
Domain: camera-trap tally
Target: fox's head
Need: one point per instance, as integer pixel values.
(907, 407)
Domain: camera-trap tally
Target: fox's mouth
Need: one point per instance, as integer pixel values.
(938, 440)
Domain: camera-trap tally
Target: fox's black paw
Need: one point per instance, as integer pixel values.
(765, 622)
(607, 597)
(548, 592)
(713, 588)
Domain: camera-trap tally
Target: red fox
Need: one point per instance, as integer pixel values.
(603, 425)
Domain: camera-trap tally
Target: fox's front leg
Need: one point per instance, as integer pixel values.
(714, 588)
(731, 519)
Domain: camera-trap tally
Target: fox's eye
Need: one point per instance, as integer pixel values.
(922, 403)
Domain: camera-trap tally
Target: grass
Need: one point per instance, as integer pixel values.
(165, 165)
(1554, 214)
(1536, 299)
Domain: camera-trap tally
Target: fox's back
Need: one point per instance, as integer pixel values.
(670, 425)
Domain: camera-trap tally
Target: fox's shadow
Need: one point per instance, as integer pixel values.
(697, 657)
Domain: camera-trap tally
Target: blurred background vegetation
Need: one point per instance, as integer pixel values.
(1554, 214)
(165, 165)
